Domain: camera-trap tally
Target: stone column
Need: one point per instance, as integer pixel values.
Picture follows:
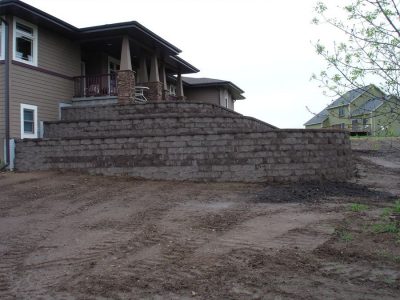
(179, 88)
(125, 76)
(126, 86)
(155, 92)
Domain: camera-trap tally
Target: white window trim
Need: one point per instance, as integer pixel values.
(113, 60)
(35, 122)
(34, 61)
(60, 106)
(2, 41)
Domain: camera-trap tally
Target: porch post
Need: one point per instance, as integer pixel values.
(163, 78)
(179, 87)
(126, 63)
(125, 76)
(143, 75)
(154, 74)
(155, 92)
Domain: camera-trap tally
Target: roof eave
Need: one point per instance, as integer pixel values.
(129, 25)
(185, 64)
(14, 6)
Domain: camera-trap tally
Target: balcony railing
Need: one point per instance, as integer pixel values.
(95, 85)
(355, 128)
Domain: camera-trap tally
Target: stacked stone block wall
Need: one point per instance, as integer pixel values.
(167, 124)
(117, 112)
(253, 156)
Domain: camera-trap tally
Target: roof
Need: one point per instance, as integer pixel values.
(349, 96)
(133, 29)
(318, 118)
(370, 106)
(211, 82)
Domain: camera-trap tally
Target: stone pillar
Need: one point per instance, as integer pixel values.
(125, 76)
(179, 88)
(155, 92)
(125, 86)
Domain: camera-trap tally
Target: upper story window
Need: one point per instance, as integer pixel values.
(25, 42)
(341, 112)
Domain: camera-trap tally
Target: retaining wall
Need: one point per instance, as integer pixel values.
(119, 111)
(167, 124)
(253, 156)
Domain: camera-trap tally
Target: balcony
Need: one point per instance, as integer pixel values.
(356, 129)
(95, 86)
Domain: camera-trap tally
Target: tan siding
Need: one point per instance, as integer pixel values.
(36, 88)
(206, 95)
(58, 54)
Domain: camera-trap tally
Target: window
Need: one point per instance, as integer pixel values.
(341, 111)
(25, 42)
(2, 41)
(226, 103)
(29, 123)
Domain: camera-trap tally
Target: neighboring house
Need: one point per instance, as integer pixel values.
(46, 64)
(365, 110)
(214, 91)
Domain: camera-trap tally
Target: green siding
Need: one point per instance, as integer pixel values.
(314, 126)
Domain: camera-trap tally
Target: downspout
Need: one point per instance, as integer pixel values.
(6, 92)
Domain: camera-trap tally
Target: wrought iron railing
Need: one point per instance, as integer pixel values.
(95, 85)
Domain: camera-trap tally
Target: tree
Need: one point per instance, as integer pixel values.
(369, 52)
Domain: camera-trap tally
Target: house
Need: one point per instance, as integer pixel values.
(46, 64)
(214, 91)
(366, 110)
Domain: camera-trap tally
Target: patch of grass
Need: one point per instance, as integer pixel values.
(388, 255)
(345, 236)
(396, 206)
(356, 207)
(390, 280)
(387, 211)
(387, 227)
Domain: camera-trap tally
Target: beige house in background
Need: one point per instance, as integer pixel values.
(46, 64)
(214, 91)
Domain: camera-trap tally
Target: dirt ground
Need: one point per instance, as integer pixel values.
(70, 236)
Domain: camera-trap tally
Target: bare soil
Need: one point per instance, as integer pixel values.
(72, 236)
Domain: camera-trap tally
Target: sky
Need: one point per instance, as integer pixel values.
(262, 46)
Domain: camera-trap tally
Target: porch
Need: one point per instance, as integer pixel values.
(129, 67)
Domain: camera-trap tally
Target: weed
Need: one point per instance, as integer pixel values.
(390, 280)
(389, 227)
(387, 211)
(345, 236)
(396, 207)
(356, 207)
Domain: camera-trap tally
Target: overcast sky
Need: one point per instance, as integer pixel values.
(263, 46)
